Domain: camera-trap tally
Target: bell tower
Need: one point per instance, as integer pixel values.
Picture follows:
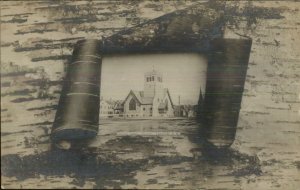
(153, 83)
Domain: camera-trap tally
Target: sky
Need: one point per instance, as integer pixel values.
(183, 74)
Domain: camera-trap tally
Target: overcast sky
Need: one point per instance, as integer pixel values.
(183, 74)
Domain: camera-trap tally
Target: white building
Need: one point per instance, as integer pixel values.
(106, 108)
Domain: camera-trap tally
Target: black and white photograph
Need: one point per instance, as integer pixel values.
(158, 86)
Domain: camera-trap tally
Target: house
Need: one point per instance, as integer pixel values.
(119, 108)
(106, 108)
(178, 110)
(153, 101)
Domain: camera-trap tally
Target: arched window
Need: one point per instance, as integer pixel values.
(152, 78)
(132, 104)
(166, 105)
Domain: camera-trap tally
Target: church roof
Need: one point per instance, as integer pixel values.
(166, 92)
(139, 95)
(143, 100)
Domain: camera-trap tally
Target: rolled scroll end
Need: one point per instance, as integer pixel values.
(77, 116)
(225, 85)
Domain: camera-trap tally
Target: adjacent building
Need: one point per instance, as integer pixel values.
(106, 108)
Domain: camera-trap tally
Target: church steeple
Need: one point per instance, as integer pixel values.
(152, 82)
(200, 97)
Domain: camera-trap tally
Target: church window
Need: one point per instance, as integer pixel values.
(132, 104)
(166, 105)
(152, 78)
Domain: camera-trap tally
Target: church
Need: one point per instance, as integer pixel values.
(154, 101)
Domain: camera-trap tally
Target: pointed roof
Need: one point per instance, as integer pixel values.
(166, 92)
(139, 95)
(200, 97)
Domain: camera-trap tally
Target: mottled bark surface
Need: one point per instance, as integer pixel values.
(37, 39)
